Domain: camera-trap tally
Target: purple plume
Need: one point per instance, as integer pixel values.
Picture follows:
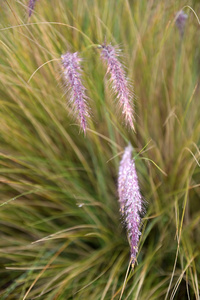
(31, 6)
(130, 199)
(180, 22)
(120, 84)
(72, 74)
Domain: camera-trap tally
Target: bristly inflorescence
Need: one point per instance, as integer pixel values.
(119, 81)
(181, 18)
(72, 74)
(31, 6)
(130, 199)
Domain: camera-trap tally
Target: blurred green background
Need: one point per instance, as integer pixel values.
(61, 235)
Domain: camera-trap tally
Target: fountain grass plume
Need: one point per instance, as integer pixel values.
(78, 98)
(31, 6)
(119, 81)
(181, 18)
(130, 199)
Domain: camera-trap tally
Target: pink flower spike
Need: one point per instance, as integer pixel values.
(31, 6)
(180, 20)
(72, 74)
(130, 199)
(120, 84)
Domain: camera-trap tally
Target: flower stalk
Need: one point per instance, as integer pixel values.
(31, 6)
(119, 81)
(72, 74)
(130, 200)
(180, 20)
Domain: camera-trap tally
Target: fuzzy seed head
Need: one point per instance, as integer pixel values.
(181, 21)
(119, 81)
(72, 73)
(130, 199)
(31, 6)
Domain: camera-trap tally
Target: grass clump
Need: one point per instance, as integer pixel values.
(61, 233)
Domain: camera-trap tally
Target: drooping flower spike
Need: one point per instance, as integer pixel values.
(130, 199)
(31, 6)
(180, 20)
(72, 73)
(119, 81)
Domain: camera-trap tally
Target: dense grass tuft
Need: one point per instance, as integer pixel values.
(61, 232)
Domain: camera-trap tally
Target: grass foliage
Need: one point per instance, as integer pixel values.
(61, 233)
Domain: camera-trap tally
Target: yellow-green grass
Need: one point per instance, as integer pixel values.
(61, 232)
